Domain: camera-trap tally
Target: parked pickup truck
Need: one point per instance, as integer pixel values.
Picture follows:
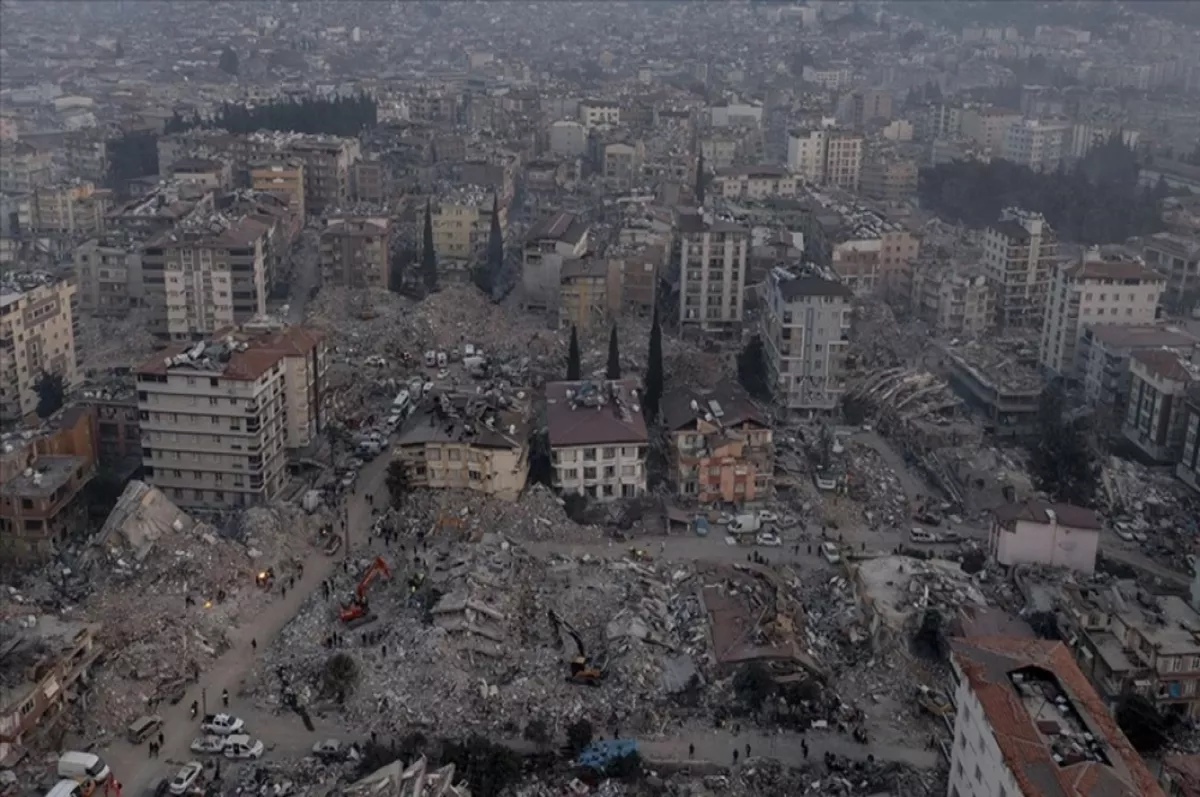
(222, 724)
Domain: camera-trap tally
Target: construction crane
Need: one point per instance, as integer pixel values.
(358, 610)
(584, 670)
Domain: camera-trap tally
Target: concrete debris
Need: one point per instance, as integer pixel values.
(414, 780)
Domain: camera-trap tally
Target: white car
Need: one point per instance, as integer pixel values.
(830, 553)
(330, 750)
(768, 517)
(1125, 534)
(769, 539)
(186, 777)
(242, 746)
(222, 724)
(208, 744)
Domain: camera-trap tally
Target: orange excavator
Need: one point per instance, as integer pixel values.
(358, 611)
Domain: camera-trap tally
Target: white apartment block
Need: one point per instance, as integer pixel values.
(754, 182)
(1028, 724)
(1018, 255)
(598, 438)
(593, 113)
(712, 272)
(36, 335)
(1036, 144)
(1094, 291)
(827, 157)
(217, 417)
(805, 332)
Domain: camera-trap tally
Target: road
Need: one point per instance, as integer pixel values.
(130, 763)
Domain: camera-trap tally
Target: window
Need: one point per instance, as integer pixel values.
(589, 473)
(978, 774)
(454, 455)
(589, 455)
(610, 452)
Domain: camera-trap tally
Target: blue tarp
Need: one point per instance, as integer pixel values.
(598, 755)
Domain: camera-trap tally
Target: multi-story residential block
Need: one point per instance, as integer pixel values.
(598, 438)
(86, 154)
(860, 106)
(873, 255)
(999, 378)
(590, 293)
(1028, 724)
(594, 113)
(1176, 257)
(827, 157)
(1094, 291)
(568, 138)
(639, 279)
(952, 304)
(1156, 416)
(889, 179)
(721, 446)
(556, 238)
(833, 78)
(355, 251)
(462, 221)
(464, 441)
(713, 254)
(988, 126)
(754, 182)
(59, 654)
(281, 176)
(327, 161)
(1103, 357)
(113, 398)
(71, 209)
(1039, 145)
(1042, 533)
(24, 167)
(805, 332)
(37, 335)
(1188, 469)
(1018, 258)
(720, 152)
(205, 174)
(217, 417)
(621, 164)
(108, 272)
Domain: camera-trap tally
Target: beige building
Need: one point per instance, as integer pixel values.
(589, 294)
(69, 209)
(461, 224)
(598, 438)
(464, 441)
(327, 161)
(1094, 291)
(23, 168)
(988, 126)
(204, 174)
(1176, 257)
(952, 304)
(37, 335)
(594, 113)
(805, 333)
(203, 277)
(827, 157)
(1019, 256)
(712, 273)
(355, 251)
(889, 179)
(720, 152)
(754, 182)
(218, 416)
(281, 176)
(875, 256)
(621, 164)
(109, 276)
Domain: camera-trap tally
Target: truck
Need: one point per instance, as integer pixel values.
(747, 523)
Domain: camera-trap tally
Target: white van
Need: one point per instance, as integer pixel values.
(83, 765)
(66, 788)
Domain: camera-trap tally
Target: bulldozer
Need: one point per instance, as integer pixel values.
(584, 669)
(358, 610)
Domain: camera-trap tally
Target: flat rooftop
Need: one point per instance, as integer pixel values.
(44, 477)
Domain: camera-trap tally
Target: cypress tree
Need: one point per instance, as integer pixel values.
(613, 371)
(700, 181)
(654, 371)
(487, 272)
(428, 255)
(573, 364)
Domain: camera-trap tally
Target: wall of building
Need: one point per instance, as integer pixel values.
(1055, 545)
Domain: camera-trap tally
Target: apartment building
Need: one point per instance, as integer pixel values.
(86, 155)
(113, 398)
(1176, 257)
(1028, 724)
(24, 167)
(953, 304)
(1019, 256)
(1156, 415)
(218, 416)
(204, 174)
(987, 127)
(158, 212)
(72, 209)
(568, 138)
(594, 113)
(639, 279)
(589, 294)
(1188, 469)
(462, 222)
(1043, 533)
(754, 182)
(721, 445)
(202, 277)
(327, 162)
(598, 438)
(1036, 144)
(873, 255)
(108, 273)
(281, 176)
(860, 106)
(827, 157)
(889, 179)
(713, 254)
(719, 152)
(621, 164)
(1094, 291)
(37, 334)
(467, 442)
(557, 237)
(356, 251)
(805, 332)
(57, 655)
(1103, 357)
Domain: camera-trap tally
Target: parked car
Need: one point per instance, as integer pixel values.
(769, 539)
(209, 745)
(766, 516)
(186, 777)
(333, 545)
(242, 746)
(1125, 534)
(918, 534)
(222, 724)
(829, 553)
(331, 750)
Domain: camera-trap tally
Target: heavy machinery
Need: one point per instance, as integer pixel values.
(589, 671)
(358, 611)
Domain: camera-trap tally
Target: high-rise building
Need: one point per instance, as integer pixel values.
(1176, 257)
(355, 251)
(37, 335)
(713, 256)
(1036, 144)
(281, 176)
(218, 416)
(805, 332)
(1019, 254)
(109, 275)
(1094, 291)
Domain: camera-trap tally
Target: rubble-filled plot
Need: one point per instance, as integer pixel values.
(105, 343)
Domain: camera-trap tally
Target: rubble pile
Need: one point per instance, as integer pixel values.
(106, 343)
(1149, 501)
(875, 486)
(537, 517)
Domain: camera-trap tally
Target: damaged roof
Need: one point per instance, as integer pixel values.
(594, 413)
(733, 406)
(1037, 511)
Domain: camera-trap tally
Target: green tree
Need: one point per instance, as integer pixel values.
(1060, 461)
(579, 735)
(752, 369)
(654, 370)
(398, 481)
(574, 366)
(487, 272)
(613, 371)
(229, 61)
(489, 768)
(700, 180)
(51, 392)
(429, 270)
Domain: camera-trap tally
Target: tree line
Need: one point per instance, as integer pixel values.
(337, 116)
(1097, 201)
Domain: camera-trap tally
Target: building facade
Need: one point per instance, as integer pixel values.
(1156, 416)
(1188, 469)
(37, 334)
(713, 256)
(1036, 532)
(558, 237)
(589, 294)
(1018, 257)
(1176, 257)
(281, 176)
(827, 157)
(356, 251)
(598, 438)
